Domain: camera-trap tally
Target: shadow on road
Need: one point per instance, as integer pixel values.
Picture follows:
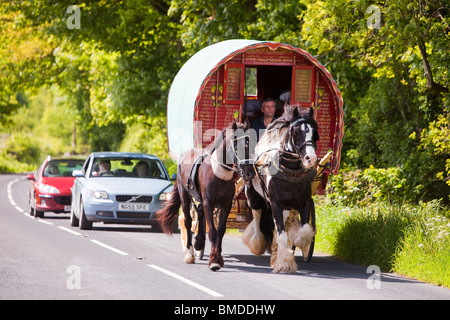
(320, 266)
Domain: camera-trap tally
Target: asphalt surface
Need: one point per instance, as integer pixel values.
(48, 259)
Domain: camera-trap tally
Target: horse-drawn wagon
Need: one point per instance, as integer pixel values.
(225, 82)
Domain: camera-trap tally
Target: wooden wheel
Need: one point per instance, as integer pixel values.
(308, 251)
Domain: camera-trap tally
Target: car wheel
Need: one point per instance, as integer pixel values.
(37, 213)
(74, 222)
(85, 224)
(31, 211)
(31, 206)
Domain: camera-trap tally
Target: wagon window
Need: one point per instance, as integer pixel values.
(251, 84)
(303, 85)
(234, 83)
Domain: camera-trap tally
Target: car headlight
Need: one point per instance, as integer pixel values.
(165, 196)
(97, 194)
(45, 188)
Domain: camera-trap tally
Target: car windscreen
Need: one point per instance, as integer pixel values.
(62, 168)
(128, 167)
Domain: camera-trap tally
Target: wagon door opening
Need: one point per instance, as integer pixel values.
(265, 81)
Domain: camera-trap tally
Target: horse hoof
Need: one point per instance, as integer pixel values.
(214, 267)
(285, 262)
(199, 254)
(189, 259)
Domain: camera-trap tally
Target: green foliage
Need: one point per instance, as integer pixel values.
(23, 148)
(412, 240)
(358, 187)
(393, 78)
(147, 136)
(424, 251)
(437, 138)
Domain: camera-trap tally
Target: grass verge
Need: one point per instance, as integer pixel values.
(413, 240)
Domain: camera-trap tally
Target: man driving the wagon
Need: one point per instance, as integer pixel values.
(268, 109)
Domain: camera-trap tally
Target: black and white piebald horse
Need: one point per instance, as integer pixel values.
(286, 160)
(214, 189)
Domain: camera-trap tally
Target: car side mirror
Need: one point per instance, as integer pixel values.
(174, 177)
(77, 173)
(31, 177)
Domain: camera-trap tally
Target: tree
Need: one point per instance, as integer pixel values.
(405, 82)
(116, 67)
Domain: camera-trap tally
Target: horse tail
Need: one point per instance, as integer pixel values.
(169, 213)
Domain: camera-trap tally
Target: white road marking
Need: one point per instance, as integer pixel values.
(45, 222)
(69, 230)
(26, 214)
(11, 200)
(8, 189)
(19, 209)
(109, 247)
(187, 281)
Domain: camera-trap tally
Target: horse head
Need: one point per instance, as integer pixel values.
(301, 138)
(244, 148)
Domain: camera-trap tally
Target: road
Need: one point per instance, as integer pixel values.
(48, 259)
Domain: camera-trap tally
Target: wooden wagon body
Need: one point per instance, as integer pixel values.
(223, 82)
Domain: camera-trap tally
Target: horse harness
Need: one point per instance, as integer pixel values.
(192, 183)
(282, 171)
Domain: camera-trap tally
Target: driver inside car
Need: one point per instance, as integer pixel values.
(104, 169)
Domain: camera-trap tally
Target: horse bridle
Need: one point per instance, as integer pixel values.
(295, 156)
(237, 161)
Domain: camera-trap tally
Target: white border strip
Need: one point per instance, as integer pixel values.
(8, 189)
(45, 222)
(69, 230)
(187, 281)
(109, 247)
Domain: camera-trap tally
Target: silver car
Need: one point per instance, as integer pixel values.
(119, 187)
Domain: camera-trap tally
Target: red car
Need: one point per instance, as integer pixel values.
(50, 188)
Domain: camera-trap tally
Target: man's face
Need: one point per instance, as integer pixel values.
(269, 108)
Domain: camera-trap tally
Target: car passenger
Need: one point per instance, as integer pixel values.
(141, 169)
(52, 170)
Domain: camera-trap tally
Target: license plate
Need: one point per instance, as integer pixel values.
(67, 208)
(134, 206)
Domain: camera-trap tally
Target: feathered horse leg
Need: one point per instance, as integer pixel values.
(252, 237)
(285, 260)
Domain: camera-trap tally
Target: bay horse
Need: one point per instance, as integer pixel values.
(216, 166)
(285, 159)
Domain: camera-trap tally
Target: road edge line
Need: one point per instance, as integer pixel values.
(187, 281)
